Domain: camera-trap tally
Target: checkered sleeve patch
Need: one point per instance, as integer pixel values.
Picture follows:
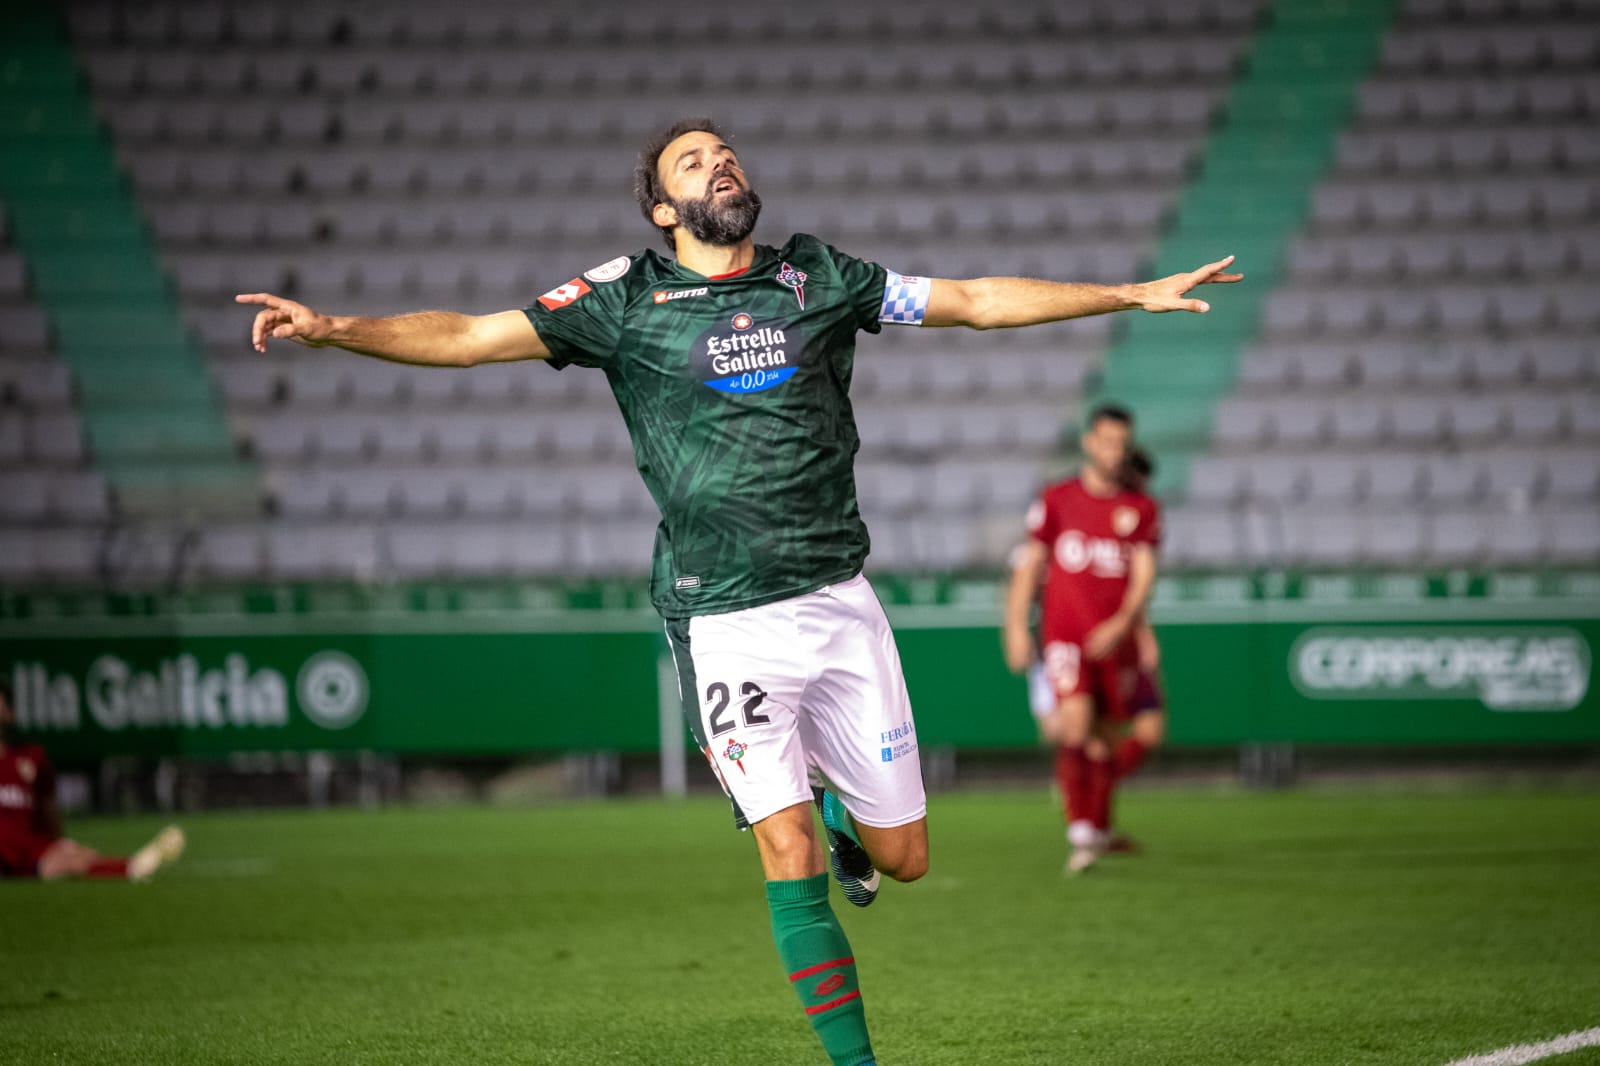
(905, 300)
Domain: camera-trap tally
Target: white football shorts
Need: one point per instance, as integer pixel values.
(808, 690)
(1041, 691)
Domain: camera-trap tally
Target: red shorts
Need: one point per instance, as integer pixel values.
(1110, 683)
(20, 854)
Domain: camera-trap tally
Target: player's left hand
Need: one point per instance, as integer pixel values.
(1167, 294)
(1104, 638)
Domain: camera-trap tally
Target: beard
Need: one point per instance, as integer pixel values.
(721, 224)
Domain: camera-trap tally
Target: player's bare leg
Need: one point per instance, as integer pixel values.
(812, 945)
(787, 844)
(900, 851)
(68, 858)
(1150, 729)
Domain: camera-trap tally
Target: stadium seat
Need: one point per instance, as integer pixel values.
(13, 442)
(1459, 536)
(1398, 539)
(56, 439)
(230, 552)
(1454, 479)
(342, 552)
(1574, 535)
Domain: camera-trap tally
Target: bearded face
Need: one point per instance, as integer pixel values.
(724, 216)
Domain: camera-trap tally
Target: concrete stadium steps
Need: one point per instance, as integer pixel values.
(148, 407)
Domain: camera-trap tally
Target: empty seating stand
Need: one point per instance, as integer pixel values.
(386, 160)
(1427, 381)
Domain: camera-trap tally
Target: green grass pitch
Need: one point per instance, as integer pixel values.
(1405, 928)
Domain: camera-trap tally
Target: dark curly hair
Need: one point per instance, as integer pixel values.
(648, 187)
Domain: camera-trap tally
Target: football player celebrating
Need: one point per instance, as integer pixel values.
(732, 363)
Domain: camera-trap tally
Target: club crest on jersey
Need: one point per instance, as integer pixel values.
(26, 771)
(1124, 520)
(562, 295)
(790, 278)
(744, 355)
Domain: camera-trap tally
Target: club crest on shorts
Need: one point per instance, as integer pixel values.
(1124, 520)
(734, 752)
(790, 278)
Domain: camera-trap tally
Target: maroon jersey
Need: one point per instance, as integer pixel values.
(1091, 541)
(25, 776)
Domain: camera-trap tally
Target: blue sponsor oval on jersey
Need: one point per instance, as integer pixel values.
(742, 355)
(757, 380)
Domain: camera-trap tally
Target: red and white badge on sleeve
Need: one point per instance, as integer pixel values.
(562, 295)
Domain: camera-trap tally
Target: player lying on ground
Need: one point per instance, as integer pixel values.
(1091, 562)
(731, 364)
(31, 844)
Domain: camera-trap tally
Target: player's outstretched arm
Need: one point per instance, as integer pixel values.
(426, 338)
(994, 303)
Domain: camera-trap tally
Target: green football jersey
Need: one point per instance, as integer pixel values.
(735, 391)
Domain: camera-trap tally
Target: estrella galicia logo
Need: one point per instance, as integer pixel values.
(745, 355)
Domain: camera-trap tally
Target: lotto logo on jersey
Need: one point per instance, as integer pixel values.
(562, 295)
(667, 296)
(746, 355)
(1076, 553)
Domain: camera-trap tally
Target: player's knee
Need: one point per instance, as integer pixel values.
(1151, 729)
(788, 845)
(911, 866)
(64, 858)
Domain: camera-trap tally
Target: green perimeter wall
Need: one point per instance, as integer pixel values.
(1377, 659)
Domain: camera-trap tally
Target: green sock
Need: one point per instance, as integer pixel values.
(817, 958)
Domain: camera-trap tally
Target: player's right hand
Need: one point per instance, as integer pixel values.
(285, 319)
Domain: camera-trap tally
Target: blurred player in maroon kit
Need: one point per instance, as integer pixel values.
(1094, 542)
(31, 844)
(1148, 726)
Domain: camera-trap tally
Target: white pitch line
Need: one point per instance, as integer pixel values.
(1518, 1054)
